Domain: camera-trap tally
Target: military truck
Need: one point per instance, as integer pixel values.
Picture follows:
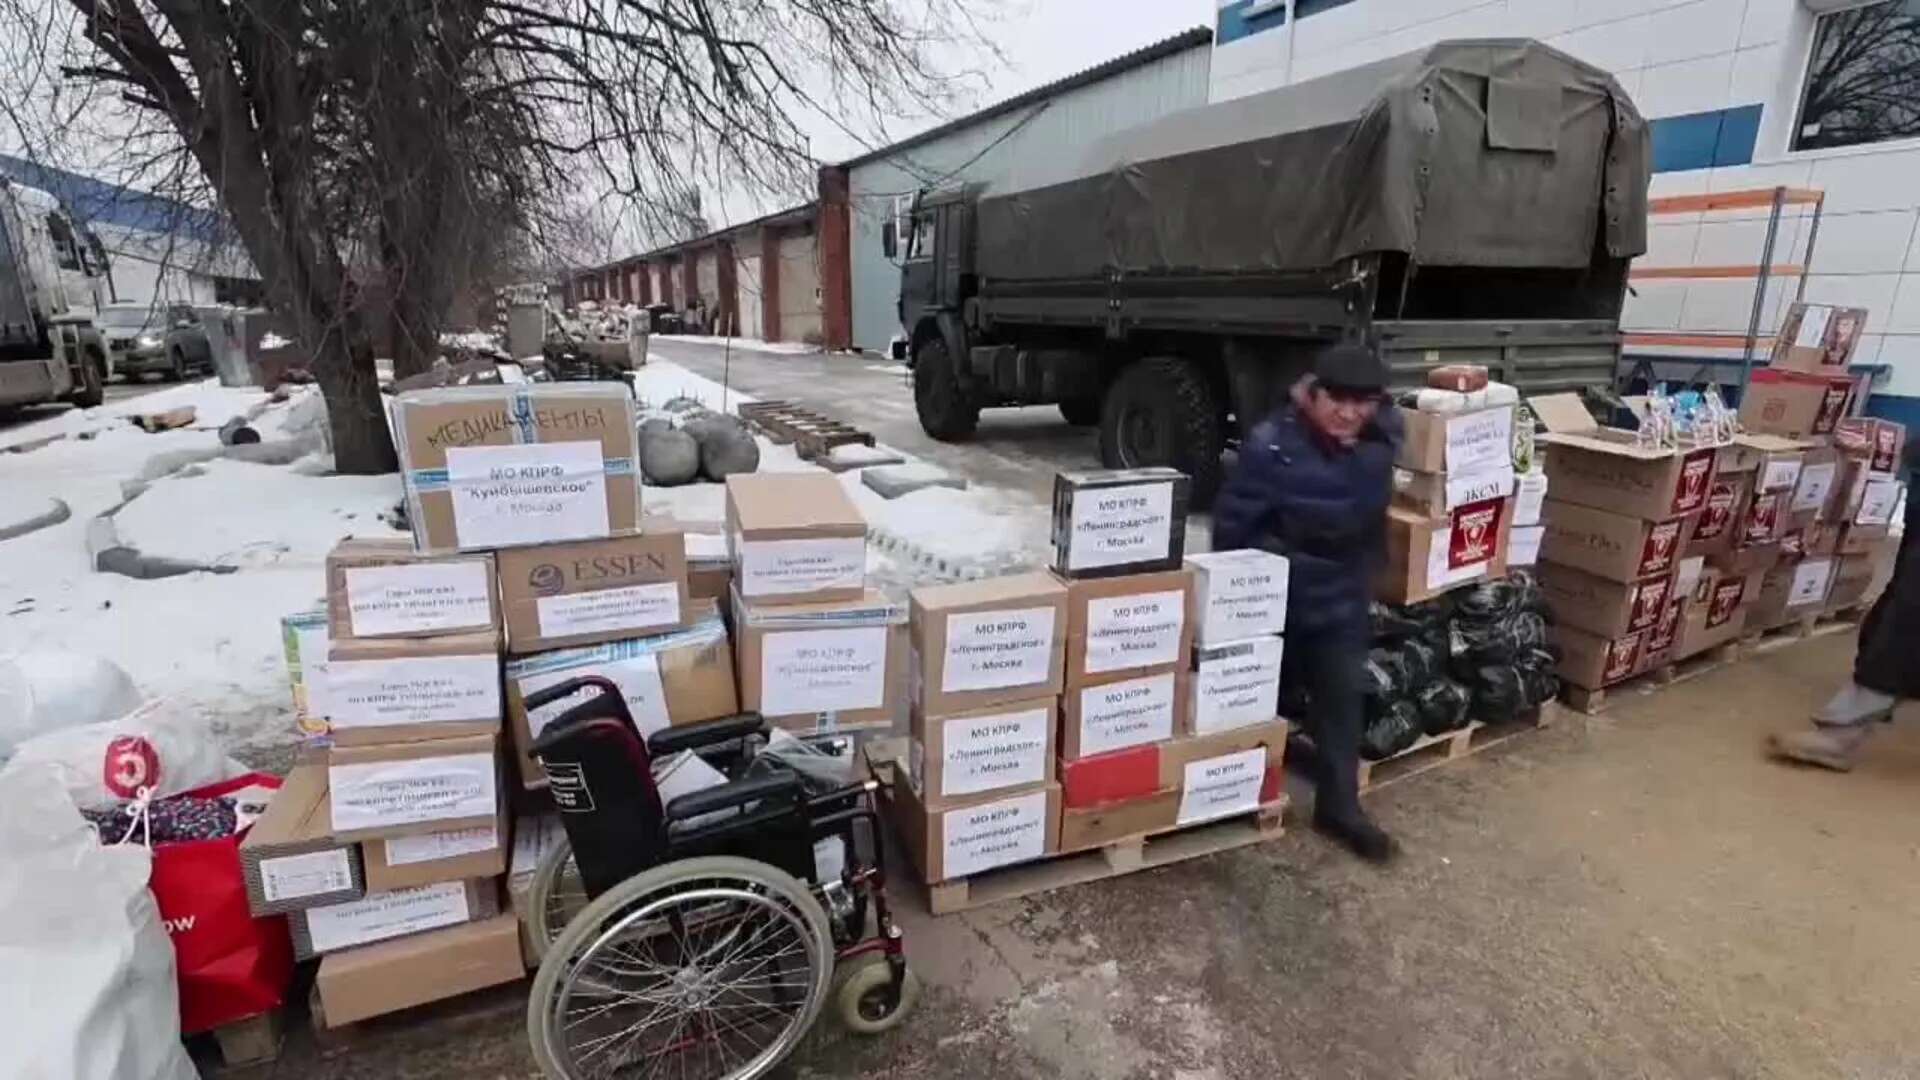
(51, 271)
(1474, 202)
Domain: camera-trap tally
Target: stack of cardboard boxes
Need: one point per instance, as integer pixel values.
(1454, 512)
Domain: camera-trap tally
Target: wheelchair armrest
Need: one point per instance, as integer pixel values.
(669, 741)
(732, 795)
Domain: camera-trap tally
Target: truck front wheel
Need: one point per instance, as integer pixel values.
(93, 380)
(946, 412)
(1161, 411)
(1081, 411)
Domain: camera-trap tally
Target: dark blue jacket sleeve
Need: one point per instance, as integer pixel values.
(1240, 510)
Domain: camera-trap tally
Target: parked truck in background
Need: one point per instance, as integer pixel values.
(51, 272)
(1474, 202)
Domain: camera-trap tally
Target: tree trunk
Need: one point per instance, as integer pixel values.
(356, 410)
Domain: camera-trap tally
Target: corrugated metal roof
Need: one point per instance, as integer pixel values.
(1198, 37)
(98, 202)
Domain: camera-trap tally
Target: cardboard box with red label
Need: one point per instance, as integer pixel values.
(1818, 338)
(1661, 638)
(1426, 558)
(1794, 405)
(1599, 605)
(1870, 439)
(1714, 532)
(1592, 662)
(1613, 546)
(1608, 468)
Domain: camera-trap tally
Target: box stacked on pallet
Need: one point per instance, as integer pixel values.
(1453, 510)
(1864, 509)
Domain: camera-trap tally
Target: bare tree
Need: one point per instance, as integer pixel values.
(336, 134)
(1863, 82)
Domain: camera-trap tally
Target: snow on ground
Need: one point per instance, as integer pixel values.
(214, 404)
(233, 513)
(778, 348)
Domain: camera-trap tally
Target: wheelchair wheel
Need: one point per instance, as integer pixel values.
(555, 897)
(710, 969)
(864, 997)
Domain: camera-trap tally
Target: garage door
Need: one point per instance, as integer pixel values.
(747, 286)
(799, 289)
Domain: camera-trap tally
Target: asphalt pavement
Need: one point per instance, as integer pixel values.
(118, 390)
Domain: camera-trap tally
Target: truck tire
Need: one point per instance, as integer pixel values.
(1081, 412)
(177, 371)
(946, 412)
(1161, 411)
(93, 381)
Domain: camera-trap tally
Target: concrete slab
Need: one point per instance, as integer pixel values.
(893, 481)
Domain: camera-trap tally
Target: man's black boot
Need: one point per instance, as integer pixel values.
(1359, 835)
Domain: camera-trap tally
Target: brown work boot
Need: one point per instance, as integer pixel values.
(1830, 747)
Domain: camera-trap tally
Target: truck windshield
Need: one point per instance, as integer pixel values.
(64, 249)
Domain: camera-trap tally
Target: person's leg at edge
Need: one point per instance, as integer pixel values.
(1843, 725)
(1335, 660)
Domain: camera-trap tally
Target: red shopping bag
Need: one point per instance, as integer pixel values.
(231, 965)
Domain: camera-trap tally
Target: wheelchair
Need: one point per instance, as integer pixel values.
(706, 932)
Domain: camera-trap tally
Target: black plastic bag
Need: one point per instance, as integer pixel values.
(1489, 600)
(1391, 727)
(1444, 705)
(1397, 622)
(1384, 676)
(1499, 641)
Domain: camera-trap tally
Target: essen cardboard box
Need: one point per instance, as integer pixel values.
(393, 975)
(1794, 405)
(1591, 661)
(405, 862)
(796, 537)
(405, 789)
(1607, 468)
(1612, 546)
(994, 830)
(1600, 605)
(1235, 684)
(289, 859)
(980, 643)
(1238, 594)
(383, 588)
(1476, 443)
(833, 666)
(959, 756)
(530, 463)
(1131, 624)
(387, 690)
(681, 677)
(1818, 339)
(1119, 521)
(588, 591)
(1121, 711)
(1425, 558)
(379, 916)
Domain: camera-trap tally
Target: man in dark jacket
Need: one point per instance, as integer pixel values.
(1313, 484)
(1886, 667)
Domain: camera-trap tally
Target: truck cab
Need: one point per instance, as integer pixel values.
(52, 274)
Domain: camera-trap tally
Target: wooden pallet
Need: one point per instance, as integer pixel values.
(1430, 751)
(1594, 701)
(1126, 856)
(1803, 628)
(253, 1041)
(812, 434)
(1703, 663)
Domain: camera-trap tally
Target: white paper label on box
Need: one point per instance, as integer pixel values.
(1244, 594)
(380, 916)
(1221, 786)
(1816, 483)
(1531, 498)
(1877, 500)
(388, 794)
(1238, 686)
(982, 753)
(785, 567)
(982, 837)
(1780, 474)
(533, 836)
(531, 493)
(1809, 582)
(818, 671)
(312, 873)
(412, 690)
(408, 850)
(1813, 327)
(1523, 547)
(989, 650)
(1128, 524)
(638, 678)
(1688, 579)
(1480, 441)
(1126, 713)
(1479, 485)
(419, 597)
(1441, 573)
(630, 607)
(1138, 630)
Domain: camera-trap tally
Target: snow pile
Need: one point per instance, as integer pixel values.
(232, 513)
(776, 348)
(213, 405)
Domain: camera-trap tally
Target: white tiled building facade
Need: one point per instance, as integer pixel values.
(1743, 94)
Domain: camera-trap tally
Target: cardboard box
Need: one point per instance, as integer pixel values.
(1177, 755)
(1852, 576)
(1434, 495)
(1819, 477)
(678, 678)
(1120, 776)
(380, 916)
(529, 463)
(997, 830)
(304, 641)
(1779, 471)
(1122, 711)
(1477, 443)
(1591, 661)
(1789, 591)
(1860, 539)
(289, 857)
(383, 588)
(1238, 594)
(1133, 624)
(534, 835)
(1698, 630)
(958, 757)
(1610, 545)
(834, 666)
(1794, 405)
(1529, 498)
(1751, 558)
(588, 591)
(1607, 468)
(1523, 545)
(406, 862)
(1425, 559)
(405, 789)
(1879, 498)
(1096, 826)
(796, 538)
(1722, 518)
(394, 975)
(1879, 443)
(980, 643)
(387, 690)
(1119, 521)
(1818, 338)
(1657, 651)
(1602, 606)
(1235, 684)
